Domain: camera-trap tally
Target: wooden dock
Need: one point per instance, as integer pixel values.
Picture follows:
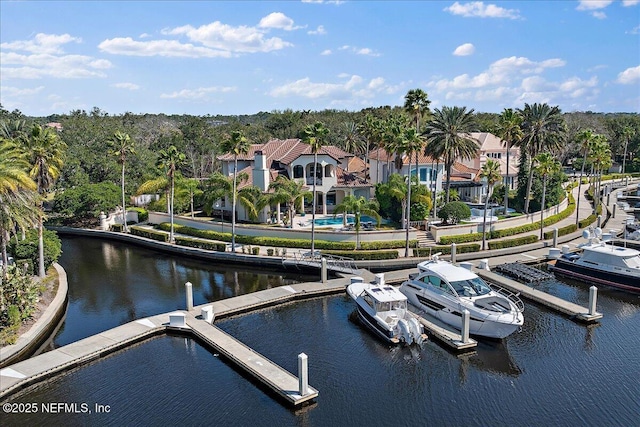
(558, 304)
(279, 380)
(441, 331)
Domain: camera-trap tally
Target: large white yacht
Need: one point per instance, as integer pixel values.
(602, 263)
(444, 290)
(384, 310)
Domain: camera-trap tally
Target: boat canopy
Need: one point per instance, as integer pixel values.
(612, 255)
(385, 294)
(447, 271)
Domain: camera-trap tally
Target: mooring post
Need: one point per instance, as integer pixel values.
(555, 236)
(188, 289)
(598, 221)
(303, 374)
(593, 296)
(465, 325)
(453, 253)
(614, 210)
(323, 270)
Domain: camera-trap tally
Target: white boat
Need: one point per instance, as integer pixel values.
(602, 263)
(444, 290)
(384, 310)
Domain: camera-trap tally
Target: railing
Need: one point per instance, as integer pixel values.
(334, 262)
(310, 181)
(513, 297)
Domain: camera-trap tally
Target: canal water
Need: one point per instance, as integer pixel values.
(553, 372)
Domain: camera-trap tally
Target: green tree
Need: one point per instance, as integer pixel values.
(46, 156)
(220, 186)
(585, 139)
(286, 191)
(87, 200)
(543, 130)
(545, 165)
(236, 144)
(315, 136)
(453, 212)
(192, 187)
(168, 161)
(449, 138)
(121, 146)
(29, 247)
(359, 206)
(627, 133)
(510, 131)
(490, 172)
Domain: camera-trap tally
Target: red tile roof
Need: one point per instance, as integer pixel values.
(422, 158)
(286, 151)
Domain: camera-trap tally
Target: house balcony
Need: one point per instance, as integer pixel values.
(310, 181)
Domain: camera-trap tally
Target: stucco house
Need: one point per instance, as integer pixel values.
(382, 164)
(338, 173)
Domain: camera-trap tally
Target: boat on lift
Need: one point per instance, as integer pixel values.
(601, 263)
(383, 309)
(444, 290)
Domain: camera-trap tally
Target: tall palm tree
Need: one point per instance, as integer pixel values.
(601, 159)
(544, 130)
(154, 186)
(371, 130)
(220, 186)
(46, 156)
(286, 191)
(359, 206)
(490, 172)
(413, 143)
(353, 142)
(510, 131)
(121, 147)
(192, 187)
(585, 139)
(169, 161)
(315, 135)
(545, 165)
(449, 137)
(236, 144)
(627, 133)
(396, 188)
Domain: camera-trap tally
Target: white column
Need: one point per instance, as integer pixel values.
(465, 325)
(188, 288)
(303, 374)
(324, 203)
(593, 297)
(278, 209)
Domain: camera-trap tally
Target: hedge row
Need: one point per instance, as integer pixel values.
(283, 242)
(561, 231)
(149, 234)
(365, 255)
(200, 244)
(445, 250)
(496, 234)
(509, 243)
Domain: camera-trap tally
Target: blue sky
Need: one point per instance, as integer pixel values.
(243, 57)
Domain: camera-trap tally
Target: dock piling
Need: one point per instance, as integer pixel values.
(188, 289)
(303, 374)
(484, 264)
(555, 237)
(380, 279)
(323, 273)
(207, 313)
(453, 253)
(593, 297)
(465, 325)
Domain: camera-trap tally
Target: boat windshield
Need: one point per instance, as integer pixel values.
(471, 288)
(633, 262)
(391, 305)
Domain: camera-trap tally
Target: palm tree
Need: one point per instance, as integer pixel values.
(121, 147)
(510, 132)
(236, 144)
(315, 136)
(371, 129)
(220, 186)
(543, 130)
(413, 143)
(546, 165)
(627, 132)
(585, 138)
(169, 160)
(449, 138)
(156, 185)
(353, 142)
(359, 206)
(490, 172)
(191, 186)
(288, 191)
(46, 157)
(17, 194)
(601, 159)
(396, 188)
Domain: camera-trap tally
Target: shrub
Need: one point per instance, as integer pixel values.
(445, 250)
(19, 295)
(365, 255)
(270, 252)
(509, 243)
(453, 212)
(561, 231)
(26, 265)
(28, 248)
(143, 214)
(255, 251)
(149, 234)
(195, 243)
(461, 238)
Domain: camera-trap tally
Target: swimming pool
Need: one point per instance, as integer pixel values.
(351, 219)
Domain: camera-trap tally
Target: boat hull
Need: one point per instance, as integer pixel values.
(377, 329)
(592, 275)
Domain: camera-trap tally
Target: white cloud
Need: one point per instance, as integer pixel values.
(17, 92)
(241, 39)
(478, 9)
(41, 43)
(593, 4)
(630, 2)
(629, 76)
(326, 52)
(599, 14)
(277, 20)
(359, 50)
(353, 88)
(15, 65)
(128, 86)
(634, 30)
(200, 93)
(464, 50)
(144, 36)
(318, 31)
(168, 48)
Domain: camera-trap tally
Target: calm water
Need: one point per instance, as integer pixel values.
(554, 372)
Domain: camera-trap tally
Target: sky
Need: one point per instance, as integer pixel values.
(243, 57)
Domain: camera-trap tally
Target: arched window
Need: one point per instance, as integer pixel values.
(298, 171)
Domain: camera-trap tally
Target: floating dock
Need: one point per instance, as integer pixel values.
(523, 272)
(558, 304)
(279, 380)
(443, 332)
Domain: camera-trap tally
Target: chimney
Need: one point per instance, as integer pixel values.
(260, 171)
